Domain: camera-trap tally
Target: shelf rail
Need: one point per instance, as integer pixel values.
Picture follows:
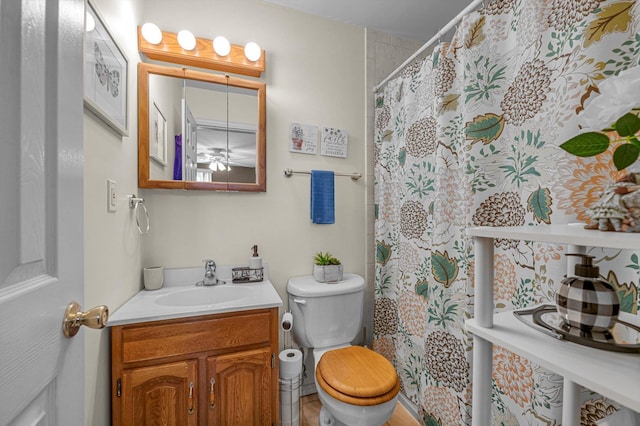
(354, 176)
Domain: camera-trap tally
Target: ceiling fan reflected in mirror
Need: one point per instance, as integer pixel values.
(217, 165)
(239, 138)
(217, 159)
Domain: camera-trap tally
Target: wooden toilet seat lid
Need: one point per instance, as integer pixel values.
(357, 375)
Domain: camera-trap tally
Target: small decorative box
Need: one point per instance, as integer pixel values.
(247, 275)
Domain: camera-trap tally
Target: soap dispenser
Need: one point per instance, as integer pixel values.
(585, 300)
(255, 261)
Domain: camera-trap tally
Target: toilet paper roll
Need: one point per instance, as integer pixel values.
(287, 322)
(290, 363)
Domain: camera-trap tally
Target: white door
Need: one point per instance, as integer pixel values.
(41, 211)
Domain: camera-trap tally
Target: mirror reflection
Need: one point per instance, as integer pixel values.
(200, 130)
(225, 120)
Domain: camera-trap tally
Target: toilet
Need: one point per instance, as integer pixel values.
(356, 386)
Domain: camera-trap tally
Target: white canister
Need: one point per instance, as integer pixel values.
(153, 277)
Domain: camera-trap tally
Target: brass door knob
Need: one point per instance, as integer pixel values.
(74, 318)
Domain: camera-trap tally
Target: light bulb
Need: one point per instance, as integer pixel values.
(252, 51)
(186, 40)
(90, 23)
(221, 45)
(216, 165)
(151, 33)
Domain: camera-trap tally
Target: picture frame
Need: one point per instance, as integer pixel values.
(303, 138)
(157, 136)
(335, 142)
(106, 70)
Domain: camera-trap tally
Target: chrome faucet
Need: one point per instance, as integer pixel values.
(209, 273)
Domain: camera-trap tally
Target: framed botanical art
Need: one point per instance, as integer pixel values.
(157, 135)
(303, 138)
(105, 74)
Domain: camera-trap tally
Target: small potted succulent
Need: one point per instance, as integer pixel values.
(327, 268)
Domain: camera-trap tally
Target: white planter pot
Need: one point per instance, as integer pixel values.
(327, 273)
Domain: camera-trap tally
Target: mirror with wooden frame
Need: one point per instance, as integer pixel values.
(200, 131)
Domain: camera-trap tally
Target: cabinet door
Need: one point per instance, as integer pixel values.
(163, 394)
(240, 389)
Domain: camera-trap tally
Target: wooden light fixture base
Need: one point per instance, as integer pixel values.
(202, 56)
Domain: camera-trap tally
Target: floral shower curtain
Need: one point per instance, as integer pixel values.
(469, 136)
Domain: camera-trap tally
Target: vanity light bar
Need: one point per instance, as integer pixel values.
(202, 55)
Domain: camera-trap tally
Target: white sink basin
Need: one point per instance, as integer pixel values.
(179, 297)
(198, 296)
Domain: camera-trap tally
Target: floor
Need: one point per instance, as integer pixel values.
(311, 409)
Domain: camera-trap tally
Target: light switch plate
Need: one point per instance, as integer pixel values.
(111, 195)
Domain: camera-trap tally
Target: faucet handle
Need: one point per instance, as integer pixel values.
(209, 263)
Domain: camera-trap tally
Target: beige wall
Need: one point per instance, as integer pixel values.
(112, 244)
(315, 75)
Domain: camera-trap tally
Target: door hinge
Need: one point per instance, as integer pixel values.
(273, 360)
(119, 388)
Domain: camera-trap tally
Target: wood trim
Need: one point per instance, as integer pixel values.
(202, 56)
(143, 125)
(116, 376)
(144, 70)
(275, 372)
(261, 154)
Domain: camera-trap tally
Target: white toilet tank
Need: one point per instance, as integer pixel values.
(324, 314)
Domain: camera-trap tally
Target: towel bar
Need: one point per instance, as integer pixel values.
(354, 176)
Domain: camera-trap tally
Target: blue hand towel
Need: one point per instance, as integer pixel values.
(322, 197)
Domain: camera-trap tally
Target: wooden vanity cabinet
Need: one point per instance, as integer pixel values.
(213, 370)
(240, 388)
(164, 391)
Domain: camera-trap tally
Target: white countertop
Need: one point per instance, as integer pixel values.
(152, 305)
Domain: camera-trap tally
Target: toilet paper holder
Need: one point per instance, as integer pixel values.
(287, 321)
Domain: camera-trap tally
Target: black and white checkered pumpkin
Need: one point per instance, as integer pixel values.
(587, 302)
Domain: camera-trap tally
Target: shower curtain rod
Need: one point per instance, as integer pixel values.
(435, 38)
